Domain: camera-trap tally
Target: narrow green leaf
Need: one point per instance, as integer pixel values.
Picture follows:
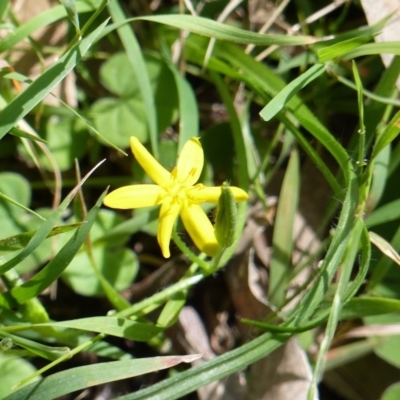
(282, 241)
(47, 352)
(71, 380)
(361, 126)
(374, 48)
(20, 133)
(170, 312)
(213, 29)
(18, 242)
(374, 110)
(188, 381)
(113, 326)
(386, 213)
(280, 100)
(334, 255)
(43, 85)
(45, 18)
(338, 49)
(267, 84)
(388, 135)
(365, 306)
(136, 59)
(188, 111)
(236, 131)
(70, 7)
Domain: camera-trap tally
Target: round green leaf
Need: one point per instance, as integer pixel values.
(13, 370)
(389, 350)
(12, 217)
(118, 265)
(392, 392)
(118, 119)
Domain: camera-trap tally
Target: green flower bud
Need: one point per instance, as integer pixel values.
(226, 219)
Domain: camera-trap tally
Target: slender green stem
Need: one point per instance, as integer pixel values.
(187, 252)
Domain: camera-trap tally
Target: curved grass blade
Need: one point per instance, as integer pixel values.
(280, 100)
(80, 378)
(45, 18)
(337, 49)
(282, 241)
(42, 86)
(388, 135)
(213, 29)
(47, 352)
(22, 134)
(70, 8)
(18, 242)
(136, 60)
(374, 48)
(188, 111)
(220, 367)
(113, 326)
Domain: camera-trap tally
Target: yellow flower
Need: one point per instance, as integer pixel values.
(178, 194)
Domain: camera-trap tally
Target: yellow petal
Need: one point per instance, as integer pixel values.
(190, 162)
(168, 214)
(135, 196)
(199, 228)
(202, 194)
(152, 167)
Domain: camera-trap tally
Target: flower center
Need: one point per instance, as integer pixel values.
(176, 190)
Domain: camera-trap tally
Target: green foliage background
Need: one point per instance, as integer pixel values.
(164, 76)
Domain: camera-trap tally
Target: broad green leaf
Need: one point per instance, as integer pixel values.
(45, 83)
(392, 392)
(115, 119)
(118, 266)
(71, 380)
(13, 369)
(66, 138)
